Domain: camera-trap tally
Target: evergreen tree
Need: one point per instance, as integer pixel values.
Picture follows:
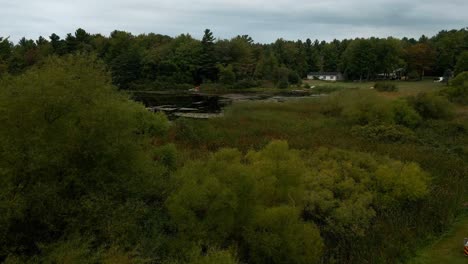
(208, 70)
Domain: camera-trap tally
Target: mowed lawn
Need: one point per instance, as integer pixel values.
(448, 249)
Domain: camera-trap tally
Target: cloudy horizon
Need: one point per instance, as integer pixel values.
(265, 21)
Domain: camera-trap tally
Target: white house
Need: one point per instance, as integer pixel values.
(326, 76)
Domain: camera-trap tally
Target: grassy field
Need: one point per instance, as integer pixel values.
(405, 88)
(448, 248)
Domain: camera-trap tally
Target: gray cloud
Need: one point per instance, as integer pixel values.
(263, 20)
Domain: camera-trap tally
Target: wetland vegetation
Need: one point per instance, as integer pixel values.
(361, 175)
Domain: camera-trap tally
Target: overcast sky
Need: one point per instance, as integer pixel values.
(264, 20)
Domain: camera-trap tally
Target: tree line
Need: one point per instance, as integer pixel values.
(154, 61)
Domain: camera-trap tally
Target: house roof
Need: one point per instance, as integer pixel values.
(324, 73)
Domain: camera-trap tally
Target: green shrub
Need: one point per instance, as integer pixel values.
(349, 192)
(213, 86)
(384, 133)
(432, 106)
(226, 74)
(365, 107)
(456, 94)
(282, 77)
(283, 84)
(294, 78)
(331, 106)
(229, 197)
(386, 87)
(194, 131)
(460, 80)
(167, 155)
(212, 200)
(246, 83)
(75, 154)
(404, 114)
(326, 89)
(214, 257)
(358, 107)
(278, 235)
(278, 170)
(75, 250)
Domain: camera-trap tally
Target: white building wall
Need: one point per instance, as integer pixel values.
(323, 77)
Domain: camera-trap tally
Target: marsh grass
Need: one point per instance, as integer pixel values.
(405, 88)
(448, 248)
(305, 125)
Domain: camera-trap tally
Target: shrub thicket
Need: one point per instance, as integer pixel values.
(246, 83)
(386, 87)
(384, 133)
(432, 106)
(279, 204)
(78, 175)
(460, 80)
(404, 114)
(458, 90)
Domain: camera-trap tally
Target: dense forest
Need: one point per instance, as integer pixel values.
(88, 175)
(155, 61)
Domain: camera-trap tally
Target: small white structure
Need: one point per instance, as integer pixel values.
(325, 76)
